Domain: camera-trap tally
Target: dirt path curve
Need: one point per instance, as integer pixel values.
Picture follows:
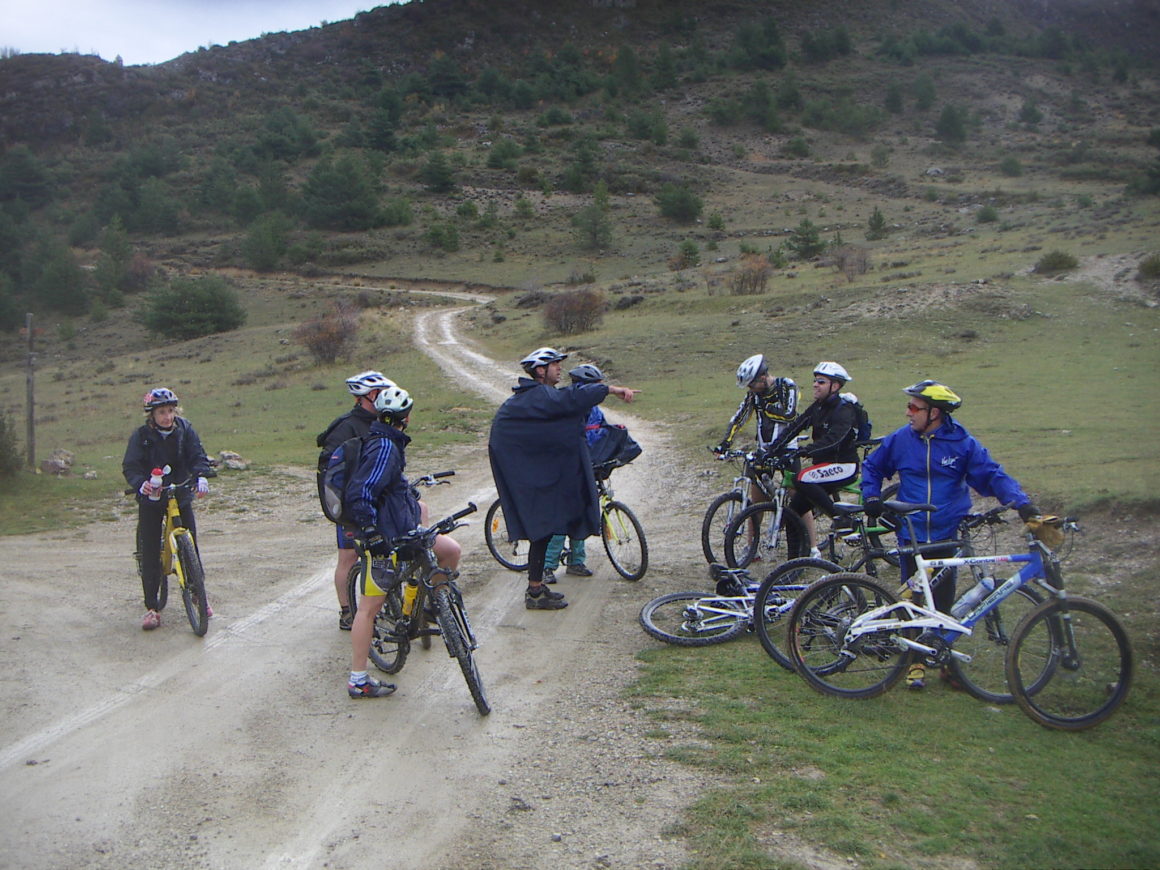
(123, 748)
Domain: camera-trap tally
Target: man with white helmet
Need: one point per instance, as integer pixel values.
(541, 465)
(772, 400)
(365, 387)
(830, 460)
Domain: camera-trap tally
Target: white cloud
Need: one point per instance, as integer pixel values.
(153, 31)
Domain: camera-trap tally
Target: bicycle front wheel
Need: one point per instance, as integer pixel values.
(513, 555)
(721, 513)
(776, 597)
(389, 644)
(1087, 652)
(624, 541)
(193, 587)
(757, 535)
(456, 635)
(823, 652)
(985, 676)
(694, 618)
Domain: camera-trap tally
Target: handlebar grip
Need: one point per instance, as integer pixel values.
(470, 509)
(439, 474)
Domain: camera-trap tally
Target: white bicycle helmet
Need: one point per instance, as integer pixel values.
(159, 396)
(586, 374)
(750, 369)
(364, 382)
(541, 356)
(833, 371)
(393, 403)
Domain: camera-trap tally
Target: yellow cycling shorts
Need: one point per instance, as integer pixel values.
(377, 576)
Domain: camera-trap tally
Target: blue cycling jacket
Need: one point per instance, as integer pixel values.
(940, 469)
(378, 493)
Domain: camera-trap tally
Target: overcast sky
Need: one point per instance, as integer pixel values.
(153, 31)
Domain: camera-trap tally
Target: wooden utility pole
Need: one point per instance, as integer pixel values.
(30, 430)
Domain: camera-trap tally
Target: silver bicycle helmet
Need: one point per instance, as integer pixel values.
(362, 383)
(541, 356)
(159, 396)
(393, 403)
(750, 369)
(833, 371)
(586, 374)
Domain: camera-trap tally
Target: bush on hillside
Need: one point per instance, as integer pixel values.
(851, 261)
(192, 307)
(330, 336)
(988, 214)
(1149, 268)
(1054, 262)
(9, 452)
(751, 276)
(1011, 167)
(574, 311)
(679, 203)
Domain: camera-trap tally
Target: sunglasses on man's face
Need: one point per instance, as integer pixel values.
(914, 409)
(821, 381)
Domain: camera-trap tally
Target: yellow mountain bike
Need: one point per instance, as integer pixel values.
(179, 556)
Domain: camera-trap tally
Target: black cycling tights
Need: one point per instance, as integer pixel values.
(536, 552)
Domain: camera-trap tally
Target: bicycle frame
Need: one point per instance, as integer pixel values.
(171, 530)
(948, 629)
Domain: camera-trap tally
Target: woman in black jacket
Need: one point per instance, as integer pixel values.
(166, 440)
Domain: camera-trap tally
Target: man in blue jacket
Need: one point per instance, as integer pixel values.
(383, 506)
(938, 462)
(541, 465)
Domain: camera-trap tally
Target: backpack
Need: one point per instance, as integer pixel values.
(862, 425)
(332, 480)
(615, 446)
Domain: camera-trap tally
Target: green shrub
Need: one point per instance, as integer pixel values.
(876, 227)
(806, 241)
(467, 209)
(716, 222)
(796, 147)
(687, 256)
(679, 203)
(1055, 261)
(1011, 167)
(192, 307)
(1149, 268)
(10, 458)
(443, 236)
(988, 214)
(524, 208)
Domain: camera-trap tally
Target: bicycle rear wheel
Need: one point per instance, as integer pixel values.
(624, 541)
(513, 555)
(389, 644)
(776, 597)
(722, 511)
(829, 660)
(193, 589)
(456, 635)
(755, 535)
(985, 676)
(1087, 654)
(694, 618)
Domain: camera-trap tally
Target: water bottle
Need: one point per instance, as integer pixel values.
(155, 481)
(973, 596)
(410, 590)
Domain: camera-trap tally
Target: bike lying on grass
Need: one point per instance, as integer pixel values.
(179, 557)
(1069, 663)
(621, 531)
(419, 592)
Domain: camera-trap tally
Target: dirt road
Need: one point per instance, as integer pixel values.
(123, 748)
